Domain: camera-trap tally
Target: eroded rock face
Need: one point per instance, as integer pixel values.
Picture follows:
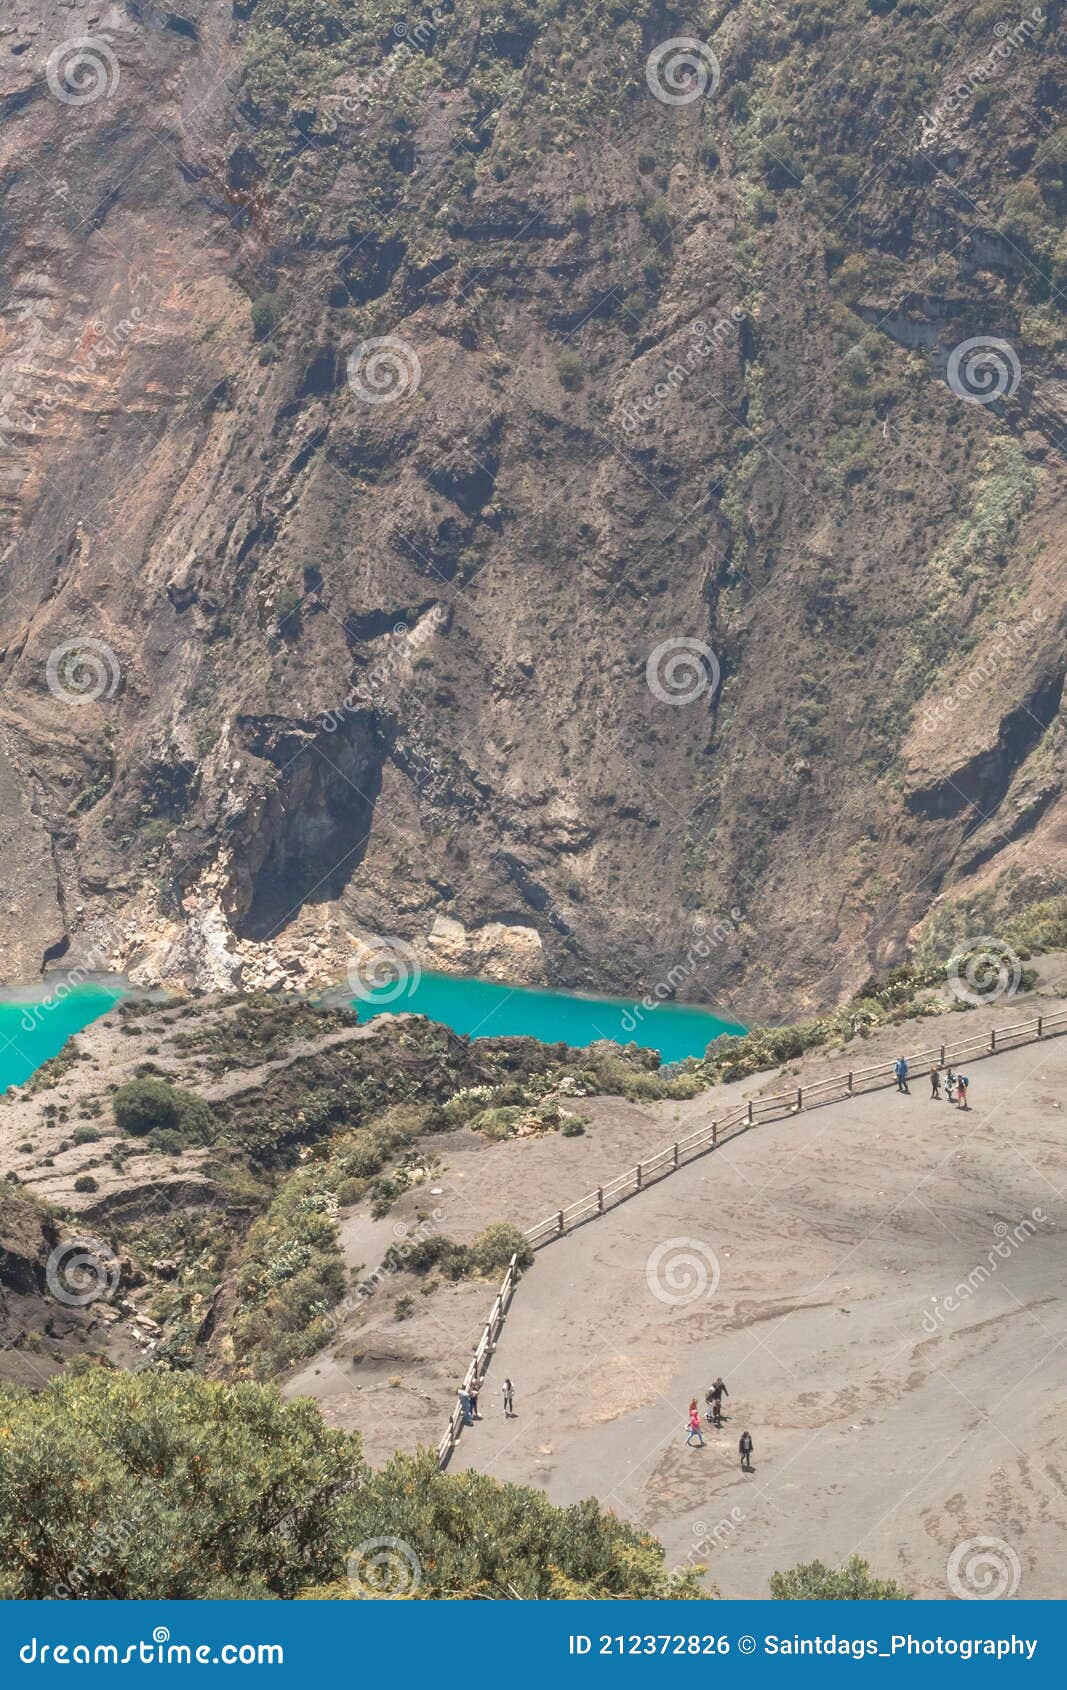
(304, 636)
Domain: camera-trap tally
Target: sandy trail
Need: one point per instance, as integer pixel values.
(889, 1415)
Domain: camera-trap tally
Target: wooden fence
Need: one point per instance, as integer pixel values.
(759, 1109)
(480, 1358)
(731, 1125)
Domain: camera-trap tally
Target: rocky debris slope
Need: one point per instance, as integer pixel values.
(381, 403)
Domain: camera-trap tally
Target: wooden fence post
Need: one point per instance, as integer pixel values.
(559, 1223)
(714, 1132)
(750, 1112)
(992, 1038)
(1039, 1026)
(638, 1176)
(600, 1199)
(800, 1098)
(850, 1085)
(676, 1155)
(942, 1064)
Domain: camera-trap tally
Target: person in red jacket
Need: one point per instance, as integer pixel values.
(694, 1424)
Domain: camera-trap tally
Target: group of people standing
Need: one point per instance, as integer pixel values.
(468, 1399)
(956, 1085)
(713, 1398)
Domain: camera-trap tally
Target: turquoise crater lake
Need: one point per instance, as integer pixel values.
(484, 1009)
(33, 1029)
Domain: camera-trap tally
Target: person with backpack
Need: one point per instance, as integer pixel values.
(745, 1447)
(950, 1086)
(714, 1401)
(694, 1424)
(963, 1082)
(901, 1071)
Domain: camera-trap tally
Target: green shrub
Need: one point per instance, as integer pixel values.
(168, 1115)
(492, 1250)
(268, 309)
(86, 1182)
(134, 1485)
(571, 369)
(854, 1582)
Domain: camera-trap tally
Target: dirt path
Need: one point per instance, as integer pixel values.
(815, 1263)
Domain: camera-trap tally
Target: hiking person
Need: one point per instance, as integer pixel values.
(745, 1447)
(472, 1391)
(714, 1400)
(901, 1072)
(935, 1083)
(508, 1390)
(962, 1083)
(465, 1405)
(694, 1424)
(950, 1086)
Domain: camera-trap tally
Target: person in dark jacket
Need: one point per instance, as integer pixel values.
(746, 1446)
(901, 1072)
(935, 1083)
(714, 1401)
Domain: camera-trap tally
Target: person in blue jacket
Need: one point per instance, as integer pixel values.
(901, 1071)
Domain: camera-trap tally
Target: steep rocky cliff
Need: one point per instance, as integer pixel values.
(384, 396)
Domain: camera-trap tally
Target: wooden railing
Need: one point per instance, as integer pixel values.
(759, 1109)
(480, 1357)
(731, 1125)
